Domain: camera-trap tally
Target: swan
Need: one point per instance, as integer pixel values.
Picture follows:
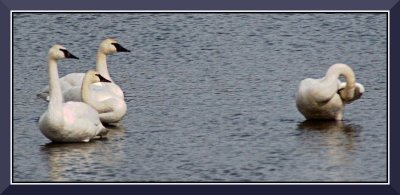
(326, 97)
(107, 47)
(111, 108)
(70, 121)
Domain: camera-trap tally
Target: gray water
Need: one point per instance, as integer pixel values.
(210, 97)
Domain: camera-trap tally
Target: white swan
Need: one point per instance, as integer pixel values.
(70, 121)
(107, 47)
(325, 98)
(111, 108)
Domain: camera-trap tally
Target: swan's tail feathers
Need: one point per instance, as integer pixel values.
(116, 115)
(44, 94)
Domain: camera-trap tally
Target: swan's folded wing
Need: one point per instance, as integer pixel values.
(73, 94)
(73, 79)
(101, 93)
(79, 110)
(316, 90)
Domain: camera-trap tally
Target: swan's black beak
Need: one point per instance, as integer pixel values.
(102, 79)
(68, 55)
(120, 48)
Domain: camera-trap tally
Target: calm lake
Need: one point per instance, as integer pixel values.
(210, 96)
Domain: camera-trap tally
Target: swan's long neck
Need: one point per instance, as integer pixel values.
(56, 100)
(333, 74)
(86, 94)
(101, 65)
(336, 70)
(85, 90)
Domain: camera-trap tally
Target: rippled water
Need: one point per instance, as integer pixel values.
(210, 97)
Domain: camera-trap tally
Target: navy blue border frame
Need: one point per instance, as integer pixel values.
(313, 5)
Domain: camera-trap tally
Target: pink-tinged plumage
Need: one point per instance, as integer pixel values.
(70, 121)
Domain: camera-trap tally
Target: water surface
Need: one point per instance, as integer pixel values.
(210, 97)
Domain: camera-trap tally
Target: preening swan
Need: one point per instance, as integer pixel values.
(107, 47)
(111, 108)
(70, 121)
(325, 98)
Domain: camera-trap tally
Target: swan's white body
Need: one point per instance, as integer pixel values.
(110, 107)
(325, 98)
(107, 47)
(70, 121)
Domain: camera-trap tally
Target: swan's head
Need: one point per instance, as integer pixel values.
(95, 77)
(111, 46)
(59, 52)
(358, 91)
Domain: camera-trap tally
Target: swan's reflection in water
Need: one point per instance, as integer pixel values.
(82, 161)
(336, 133)
(334, 141)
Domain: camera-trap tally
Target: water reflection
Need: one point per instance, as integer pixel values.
(80, 161)
(336, 143)
(115, 132)
(336, 133)
(329, 125)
